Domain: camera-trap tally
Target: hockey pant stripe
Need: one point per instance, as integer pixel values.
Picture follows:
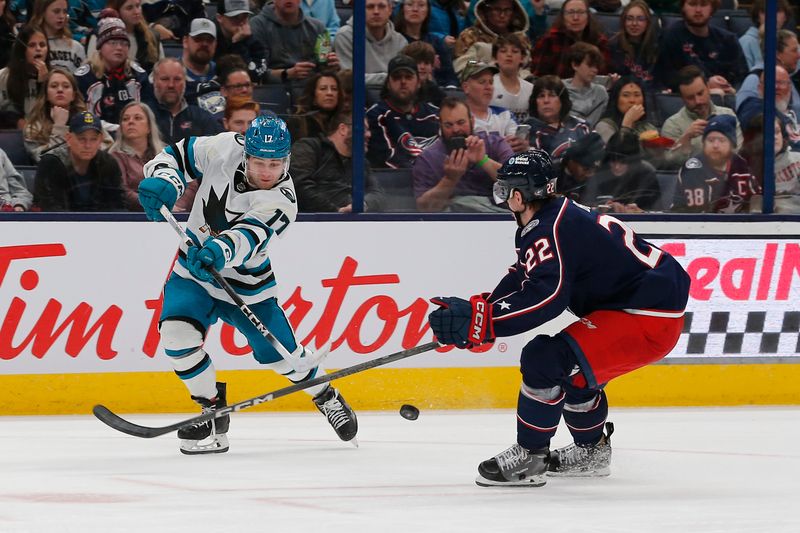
(585, 420)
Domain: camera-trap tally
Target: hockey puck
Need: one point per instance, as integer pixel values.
(409, 412)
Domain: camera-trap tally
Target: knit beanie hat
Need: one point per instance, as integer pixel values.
(110, 27)
(725, 124)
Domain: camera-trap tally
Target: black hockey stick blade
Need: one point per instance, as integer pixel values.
(105, 415)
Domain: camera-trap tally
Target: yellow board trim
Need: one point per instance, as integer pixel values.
(388, 388)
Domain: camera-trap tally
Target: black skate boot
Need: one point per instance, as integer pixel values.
(515, 467)
(578, 460)
(210, 436)
(339, 414)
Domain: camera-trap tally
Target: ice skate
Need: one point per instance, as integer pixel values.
(515, 467)
(578, 460)
(339, 414)
(210, 436)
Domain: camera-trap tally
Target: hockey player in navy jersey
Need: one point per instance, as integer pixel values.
(628, 294)
(245, 199)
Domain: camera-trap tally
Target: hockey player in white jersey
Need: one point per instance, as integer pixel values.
(245, 198)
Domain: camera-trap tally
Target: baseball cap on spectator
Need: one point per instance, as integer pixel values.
(202, 27)
(83, 121)
(231, 8)
(110, 27)
(725, 124)
(402, 62)
(587, 151)
(475, 68)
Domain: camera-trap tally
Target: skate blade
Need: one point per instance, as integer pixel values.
(354, 442)
(599, 472)
(534, 481)
(215, 444)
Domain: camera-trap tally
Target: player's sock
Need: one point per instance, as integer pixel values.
(210, 436)
(538, 414)
(585, 419)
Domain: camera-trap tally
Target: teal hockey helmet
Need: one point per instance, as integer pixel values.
(267, 138)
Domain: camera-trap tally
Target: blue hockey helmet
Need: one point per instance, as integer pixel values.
(268, 138)
(531, 173)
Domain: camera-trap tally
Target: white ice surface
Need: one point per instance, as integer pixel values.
(674, 470)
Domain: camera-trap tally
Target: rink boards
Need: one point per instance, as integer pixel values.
(79, 304)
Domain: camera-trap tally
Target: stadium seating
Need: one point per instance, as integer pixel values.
(398, 189)
(666, 106)
(667, 181)
(610, 22)
(344, 14)
(13, 144)
(29, 173)
(172, 49)
(275, 98)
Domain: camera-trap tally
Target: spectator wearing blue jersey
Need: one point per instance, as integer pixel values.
(694, 41)
(401, 126)
(553, 128)
(787, 55)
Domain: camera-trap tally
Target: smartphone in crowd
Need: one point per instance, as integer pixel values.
(523, 131)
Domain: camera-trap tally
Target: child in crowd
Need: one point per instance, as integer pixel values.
(588, 98)
(511, 91)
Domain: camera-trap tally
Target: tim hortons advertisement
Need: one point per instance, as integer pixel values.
(86, 296)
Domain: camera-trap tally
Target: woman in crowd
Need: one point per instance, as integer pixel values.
(110, 80)
(52, 17)
(26, 71)
(634, 49)
(239, 113)
(553, 129)
(47, 122)
(145, 47)
(573, 23)
(412, 20)
(626, 111)
(318, 103)
(138, 141)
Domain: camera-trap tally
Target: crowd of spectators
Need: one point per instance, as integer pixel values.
(643, 105)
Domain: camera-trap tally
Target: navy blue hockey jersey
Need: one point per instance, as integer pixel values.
(571, 257)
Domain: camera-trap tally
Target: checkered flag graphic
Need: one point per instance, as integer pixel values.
(740, 333)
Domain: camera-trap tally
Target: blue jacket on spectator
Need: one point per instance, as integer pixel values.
(191, 121)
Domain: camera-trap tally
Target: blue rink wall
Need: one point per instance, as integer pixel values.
(80, 297)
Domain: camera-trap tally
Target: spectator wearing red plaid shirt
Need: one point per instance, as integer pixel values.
(574, 23)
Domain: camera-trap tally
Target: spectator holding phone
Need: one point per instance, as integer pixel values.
(457, 172)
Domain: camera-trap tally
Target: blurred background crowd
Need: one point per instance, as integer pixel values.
(644, 106)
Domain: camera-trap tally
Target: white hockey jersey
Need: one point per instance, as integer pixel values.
(226, 203)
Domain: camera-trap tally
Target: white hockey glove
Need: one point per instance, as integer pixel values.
(304, 359)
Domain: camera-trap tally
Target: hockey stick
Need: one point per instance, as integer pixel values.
(114, 421)
(243, 307)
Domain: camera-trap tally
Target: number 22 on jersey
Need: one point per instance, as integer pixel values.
(653, 255)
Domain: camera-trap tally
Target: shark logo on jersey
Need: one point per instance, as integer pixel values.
(214, 211)
(288, 194)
